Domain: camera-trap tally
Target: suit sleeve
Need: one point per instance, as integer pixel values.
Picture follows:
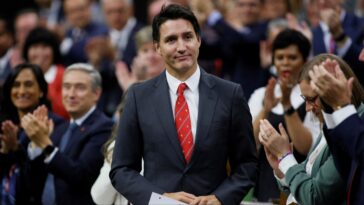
(84, 171)
(323, 187)
(127, 157)
(242, 153)
(352, 57)
(349, 137)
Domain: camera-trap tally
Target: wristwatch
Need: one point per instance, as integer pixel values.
(289, 111)
(48, 150)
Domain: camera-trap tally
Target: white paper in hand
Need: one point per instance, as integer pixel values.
(157, 199)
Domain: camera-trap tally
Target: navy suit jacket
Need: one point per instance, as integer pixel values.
(77, 167)
(241, 54)
(346, 142)
(354, 28)
(147, 130)
(77, 52)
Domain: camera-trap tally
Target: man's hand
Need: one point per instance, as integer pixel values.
(181, 196)
(333, 88)
(293, 23)
(99, 48)
(124, 77)
(332, 19)
(202, 9)
(206, 200)
(277, 143)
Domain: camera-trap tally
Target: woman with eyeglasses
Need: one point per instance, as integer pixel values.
(280, 102)
(316, 180)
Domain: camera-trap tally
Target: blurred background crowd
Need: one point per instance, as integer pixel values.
(238, 44)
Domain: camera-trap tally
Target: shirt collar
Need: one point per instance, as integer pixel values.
(80, 120)
(192, 82)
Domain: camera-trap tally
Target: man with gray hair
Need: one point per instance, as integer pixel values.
(69, 156)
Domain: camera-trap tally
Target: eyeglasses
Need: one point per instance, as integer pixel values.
(310, 100)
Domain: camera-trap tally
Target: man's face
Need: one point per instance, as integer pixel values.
(116, 13)
(179, 47)
(78, 12)
(248, 11)
(23, 25)
(77, 93)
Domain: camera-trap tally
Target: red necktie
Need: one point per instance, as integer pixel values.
(183, 123)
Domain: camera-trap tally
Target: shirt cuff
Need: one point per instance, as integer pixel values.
(343, 113)
(287, 163)
(344, 49)
(329, 120)
(48, 159)
(33, 152)
(213, 18)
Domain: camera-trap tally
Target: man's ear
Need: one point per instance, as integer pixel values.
(98, 92)
(157, 47)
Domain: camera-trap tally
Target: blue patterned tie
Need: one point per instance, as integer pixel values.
(49, 194)
(67, 135)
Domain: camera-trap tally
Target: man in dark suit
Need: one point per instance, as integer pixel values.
(340, 33)
(344, 127)
(185, 139)
(68, 159)
(82, 29)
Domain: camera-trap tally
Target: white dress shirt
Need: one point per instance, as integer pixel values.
(191, 95)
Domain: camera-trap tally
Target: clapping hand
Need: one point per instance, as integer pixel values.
(270, 100)
(38, 127)
(9, 141)
(275, 144)
(330, 83)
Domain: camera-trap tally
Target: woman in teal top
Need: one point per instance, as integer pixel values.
(315, 180)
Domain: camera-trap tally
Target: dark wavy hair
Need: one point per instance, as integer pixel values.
(173, 12)
(8, 109)
(42, 35)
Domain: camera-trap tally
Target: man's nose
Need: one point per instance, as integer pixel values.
(181, 46)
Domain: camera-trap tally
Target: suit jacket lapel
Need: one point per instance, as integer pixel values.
(79, 133)
(206, 110)
(162, 105)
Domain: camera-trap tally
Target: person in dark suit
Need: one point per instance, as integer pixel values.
(236, 40)
(339, 32)
(25, 89)
(185, 139)
(344, 127)
(69, 158)
(82, 29)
